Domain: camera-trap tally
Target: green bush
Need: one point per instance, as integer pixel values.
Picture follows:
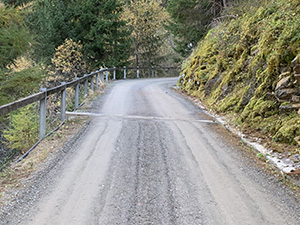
(24, 129)
(67, 63)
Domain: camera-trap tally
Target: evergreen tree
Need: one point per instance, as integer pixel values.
(16, 2)
(97, 24)
(146, 20)
(49, 23)
(14, 36)
(190, 21)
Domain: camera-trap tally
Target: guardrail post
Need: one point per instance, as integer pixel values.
(137, 72)
(169, 71)
(152, 71)
(97, 79)
(106, 77)
(124, 72)
(86, 83)
(92, 83)
(63, 102)
(77, 94)
(114, 73)
(43, 110)
(101, 76)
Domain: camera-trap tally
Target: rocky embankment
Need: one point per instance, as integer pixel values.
(287, 91)
(247, 68)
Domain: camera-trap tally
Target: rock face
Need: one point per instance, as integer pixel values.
(285, 94)
(285, 82)
(296, 98)
(297, 78)
(297, 69)
(288, 89)
(294, 62)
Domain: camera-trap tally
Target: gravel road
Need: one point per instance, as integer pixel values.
(153, 157)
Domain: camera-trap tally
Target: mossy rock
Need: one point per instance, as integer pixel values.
(289, 130)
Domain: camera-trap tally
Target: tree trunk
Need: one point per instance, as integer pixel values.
(149, 58)
(136, 59)
(136, 52)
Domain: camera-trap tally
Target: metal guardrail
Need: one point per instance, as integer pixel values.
(95, 79)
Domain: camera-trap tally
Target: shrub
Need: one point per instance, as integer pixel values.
(67, 63)
(24, 129)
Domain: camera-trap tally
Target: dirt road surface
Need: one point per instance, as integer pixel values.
(153, 157)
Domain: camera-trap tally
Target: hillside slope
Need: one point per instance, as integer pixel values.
(247, 67)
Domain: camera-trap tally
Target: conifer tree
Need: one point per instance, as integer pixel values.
(96, 23)
(147, 20)
(15, 3)
(14, 36)
(105, 38)
(49, 23)
(191, 19)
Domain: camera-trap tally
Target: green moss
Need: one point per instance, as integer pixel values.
(259, 107)
(230, 102)
(264, 108)
(242, 95)
(290, 128)
(271, 125)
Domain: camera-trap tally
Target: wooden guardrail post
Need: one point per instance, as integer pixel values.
(137, 72)
(43, 110)
(86, 83)
(77, 93)
(63, 102)
(124, 72)
(114, 73)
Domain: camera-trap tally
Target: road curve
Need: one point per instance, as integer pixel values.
(153, 157)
